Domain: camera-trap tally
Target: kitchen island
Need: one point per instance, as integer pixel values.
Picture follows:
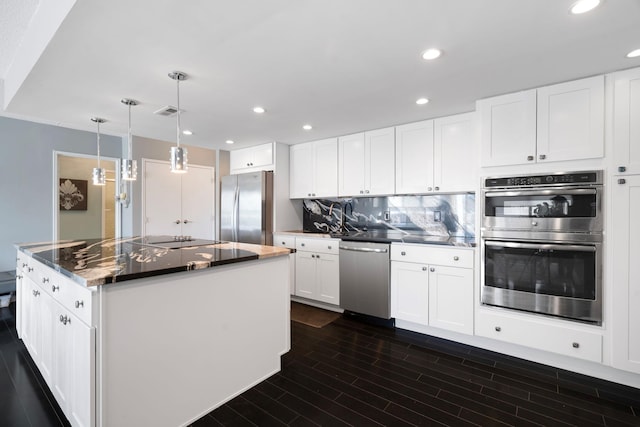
(142, 332)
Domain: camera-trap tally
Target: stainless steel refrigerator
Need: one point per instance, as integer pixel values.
(246, 208)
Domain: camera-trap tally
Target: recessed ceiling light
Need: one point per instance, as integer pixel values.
(228, 141)
(187, 132)
(307, 127)
(633, 53)
(430, 54)
(422, 101)
(582, 6)
(258, 110)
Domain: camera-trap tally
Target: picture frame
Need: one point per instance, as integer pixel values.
(73, 194)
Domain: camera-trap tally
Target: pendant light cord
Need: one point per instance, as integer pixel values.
(178, 121)
(130, 137)
(98, 140)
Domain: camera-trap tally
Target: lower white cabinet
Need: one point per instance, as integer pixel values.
(432, 286)
(60, 343)
(289, 242)
(543, 334)
(318, 269)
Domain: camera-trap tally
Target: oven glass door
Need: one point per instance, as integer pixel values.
(558, 279)
(557, 209)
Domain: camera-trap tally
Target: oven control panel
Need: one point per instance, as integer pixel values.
(572, 178)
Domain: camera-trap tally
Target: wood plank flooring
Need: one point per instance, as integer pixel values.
(352, 373)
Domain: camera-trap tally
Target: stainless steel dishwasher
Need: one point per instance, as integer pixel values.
(364, 278)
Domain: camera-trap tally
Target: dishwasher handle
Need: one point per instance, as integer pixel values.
(357, 249)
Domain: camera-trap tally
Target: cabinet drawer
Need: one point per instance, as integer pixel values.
(540, 335)
(433, 255)
(284, 241)
(321, 245)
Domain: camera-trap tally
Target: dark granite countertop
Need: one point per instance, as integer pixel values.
(94, 262)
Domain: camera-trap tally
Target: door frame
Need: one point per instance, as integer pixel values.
(55, 208)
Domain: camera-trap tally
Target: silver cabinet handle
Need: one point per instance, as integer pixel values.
(317, 256)
(498, 328)
(283, 243)
(576, 345)
(24, 264)
(55, 288)
(301, 244)
(186, 221)
(64, 319)
(35, 293)
(177, 221)
(542, 156)
(329, 247)
(530, 158)
(366, 191)
(622, 181)
(437, 188)
(313, 194)
(361, 192)
(534, 223)
(424, 268)
(313, 256)
(429, 188)
(403, 253)
(309, 194)
(29, 269)
(45, 279)
(456, 258)
(19, 276)
(79, 304)
(622, 169)
(432, 269)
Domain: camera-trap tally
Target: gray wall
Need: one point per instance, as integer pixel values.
(159, 150)
(26, 169)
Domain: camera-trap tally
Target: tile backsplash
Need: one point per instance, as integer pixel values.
(441, 215)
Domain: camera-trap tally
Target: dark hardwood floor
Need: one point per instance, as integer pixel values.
(353, 373)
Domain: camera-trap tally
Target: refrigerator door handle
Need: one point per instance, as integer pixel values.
(236, 213)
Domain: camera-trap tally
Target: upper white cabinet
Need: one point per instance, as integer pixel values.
(366, 163)
(314, 169)
(626, 129)
(553, 123)
(252, 159)
(437, 155)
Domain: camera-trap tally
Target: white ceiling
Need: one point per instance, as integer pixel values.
(341, 65)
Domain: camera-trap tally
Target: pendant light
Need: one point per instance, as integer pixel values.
(98, 176)
(178, 154)
(129, 166)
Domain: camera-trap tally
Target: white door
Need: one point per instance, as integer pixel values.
(571, 120)
(328, 278)
(508, 129)
(414, 158)
(625, 253)
(197, 202)
(325, 156)
(351, 165)
(451, 298)
(306, 275)
(379, 164)
(162, 210)
(456, 153)
(626, 131)
(301, 164)
(410, 292)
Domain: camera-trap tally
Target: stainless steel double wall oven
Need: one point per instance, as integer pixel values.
(542, 244)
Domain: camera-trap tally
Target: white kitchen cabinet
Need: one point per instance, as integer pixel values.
(432, 286)
(289, 242)
(549, 124)
(626, 126)
(251, 159)
(557, 336)
(437, 155)
(318, 269)
(177, 204)
(625, 253)
(314, 169)
(366, 163)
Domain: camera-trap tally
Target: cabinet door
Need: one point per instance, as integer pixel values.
(161, 200)
(82, 360)
(508, 129)
(455, 166)
(328, 278)
(414, 158)
(571, 120)
(325, 156)
(197, 202)
(451, 298)
(351, 165)
(625, 250)
(626, 131)
(301, 168)
(262, 155)
(30, 322)
(306, 275)
(410, 292)
(62, 367)
(240, 159)
(379, 163)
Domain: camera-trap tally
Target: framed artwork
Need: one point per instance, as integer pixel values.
(73, 194)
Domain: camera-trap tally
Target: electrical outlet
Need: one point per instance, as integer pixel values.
(437, 216)
(387, 216)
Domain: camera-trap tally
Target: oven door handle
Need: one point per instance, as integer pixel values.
(572, 191)
(545, 246)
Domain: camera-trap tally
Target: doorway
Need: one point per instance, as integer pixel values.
(83, 210)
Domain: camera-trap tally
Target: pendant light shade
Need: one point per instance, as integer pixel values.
(178, 154)
(98, 176)
(129, 166)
